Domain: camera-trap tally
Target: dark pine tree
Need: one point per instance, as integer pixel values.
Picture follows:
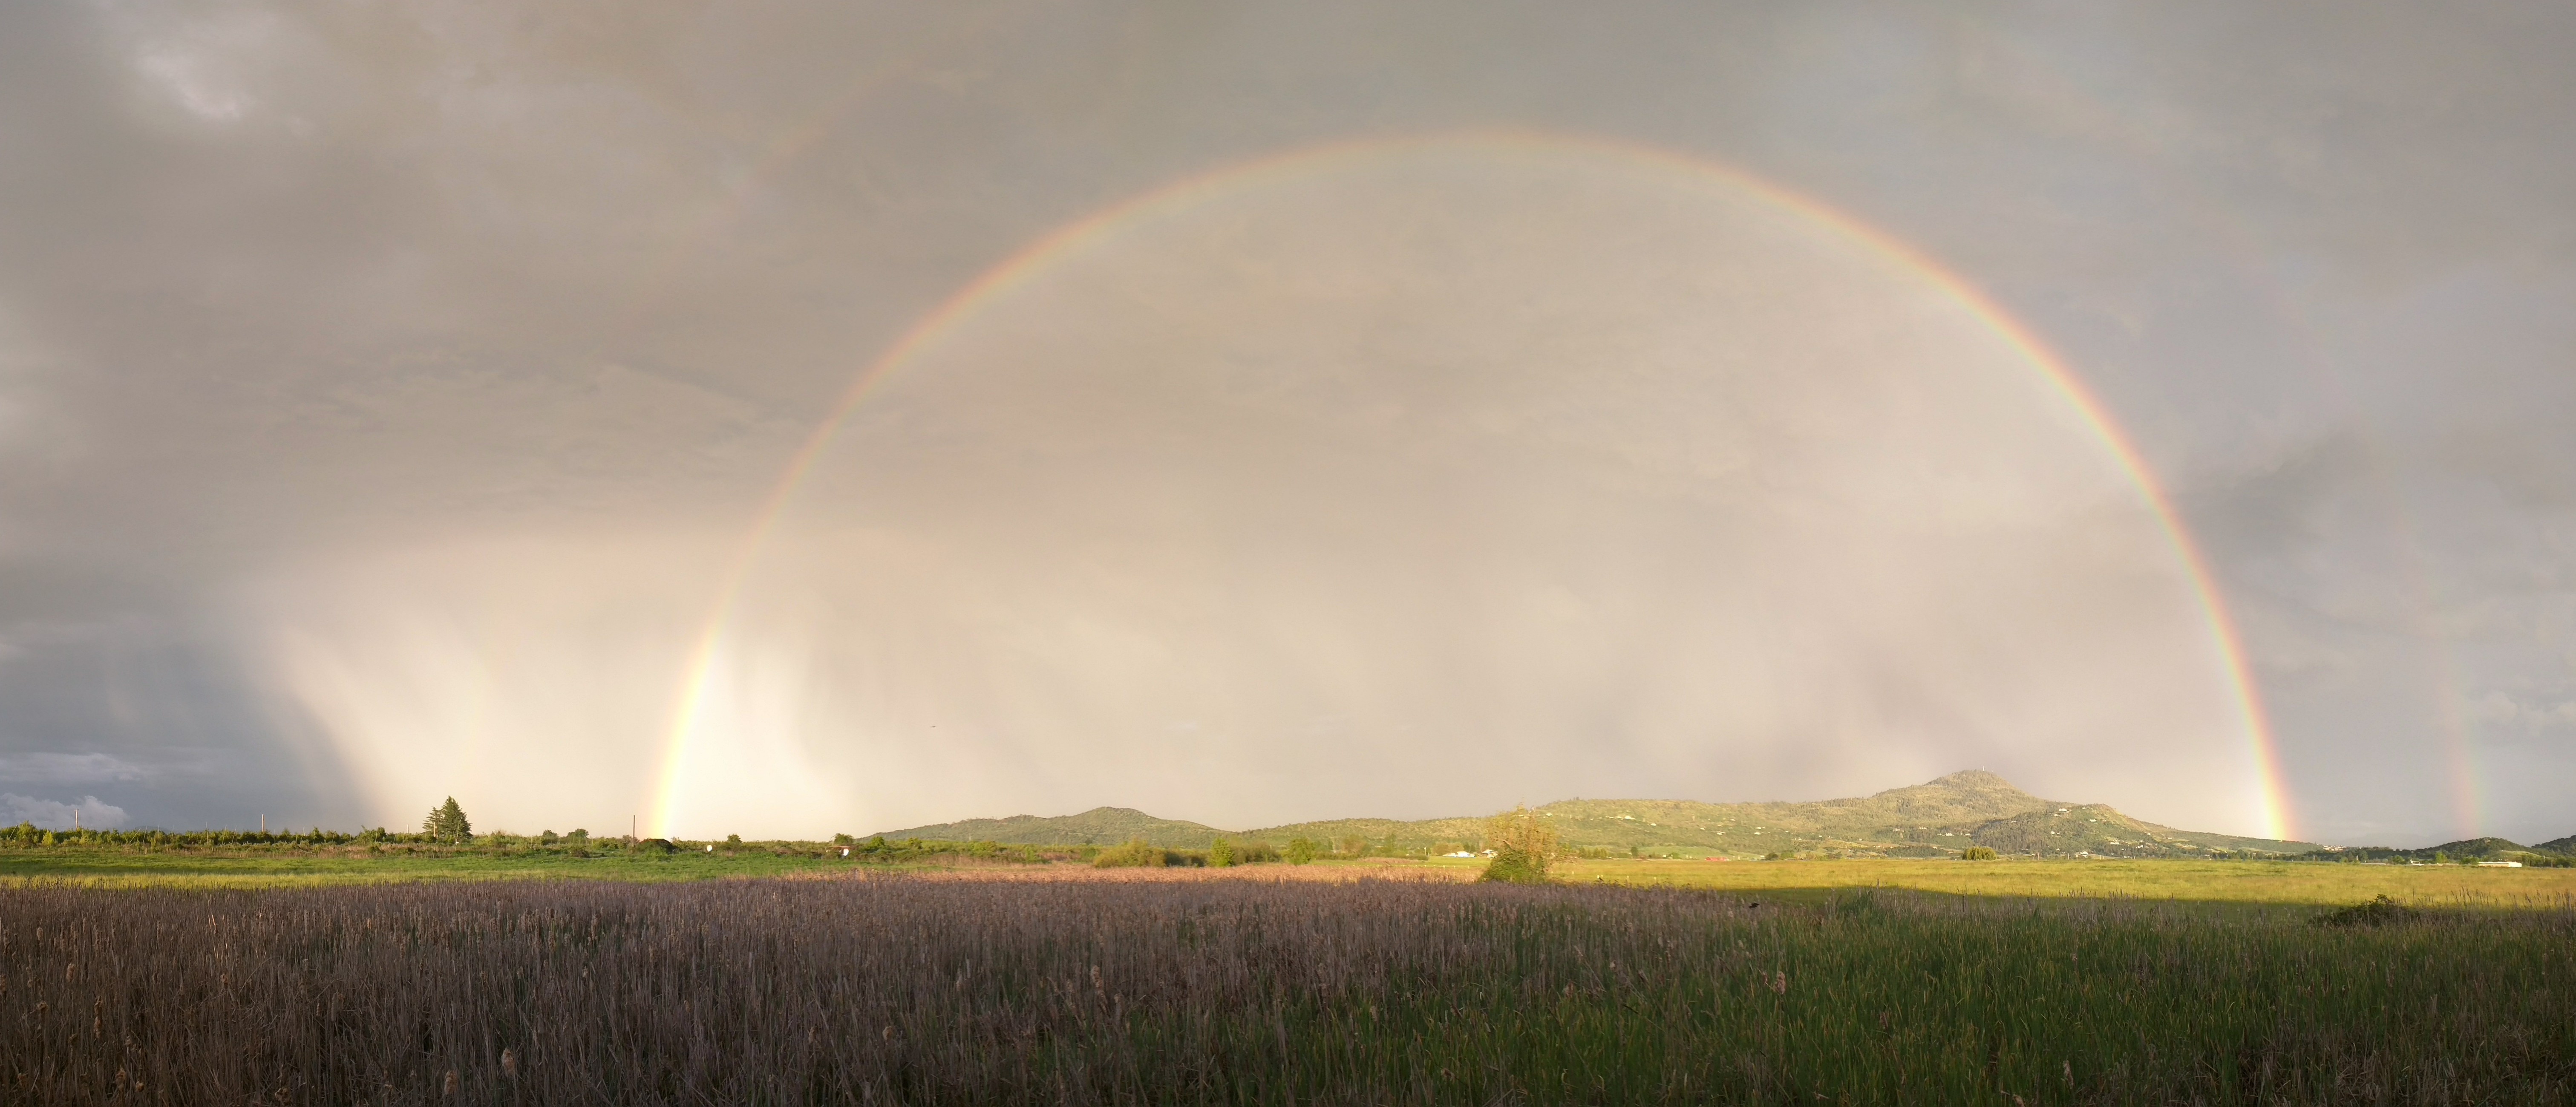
(446, 823)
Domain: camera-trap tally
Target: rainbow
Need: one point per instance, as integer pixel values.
(1073, 238)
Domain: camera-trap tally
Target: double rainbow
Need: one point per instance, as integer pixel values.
(1073, 239)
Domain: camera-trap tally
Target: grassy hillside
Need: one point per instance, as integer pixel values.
(1393, 834)
(1936, 818)
(1098, 826)
(2561, 851)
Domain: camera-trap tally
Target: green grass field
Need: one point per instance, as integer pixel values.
(2285, 882)
(2266, 882)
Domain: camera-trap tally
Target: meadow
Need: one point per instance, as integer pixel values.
(1066, 984)
(2215, 882)
(293, 864)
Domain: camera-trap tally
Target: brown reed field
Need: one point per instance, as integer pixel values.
(1136, 988)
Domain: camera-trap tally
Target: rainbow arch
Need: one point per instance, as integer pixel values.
(1073, 238)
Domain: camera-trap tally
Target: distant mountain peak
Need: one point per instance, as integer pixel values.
(1968, 778)
(1966, 794)
(1937, 817)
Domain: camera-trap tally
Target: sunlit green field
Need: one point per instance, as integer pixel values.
(2234, 881)
(2278, 882)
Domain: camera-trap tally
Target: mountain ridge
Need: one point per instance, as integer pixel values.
(2557, 851)
(1939, 817)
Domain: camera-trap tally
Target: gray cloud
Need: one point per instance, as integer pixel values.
(86, 812)
(66, 768)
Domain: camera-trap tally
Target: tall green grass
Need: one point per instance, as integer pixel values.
(893, 990)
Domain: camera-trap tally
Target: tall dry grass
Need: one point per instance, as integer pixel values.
(1216, 991)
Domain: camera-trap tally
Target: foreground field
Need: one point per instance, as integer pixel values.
(1141, 990)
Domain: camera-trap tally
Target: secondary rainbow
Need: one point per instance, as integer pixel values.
(1073, 238)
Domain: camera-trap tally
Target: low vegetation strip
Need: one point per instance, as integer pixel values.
(893, 989)
(231, 859)
(302, 864)
(2283, 882)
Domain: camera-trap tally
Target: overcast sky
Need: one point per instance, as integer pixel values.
(387, 391)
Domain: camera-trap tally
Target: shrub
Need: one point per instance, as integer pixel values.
(1515, 866)
(1977, 853)
(1134, 855)
(2380, 911)
(1523, 846)
(1220, 854)
(1522, 829)
(1301, 851)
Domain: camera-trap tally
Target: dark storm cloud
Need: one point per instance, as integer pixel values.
(286, 288)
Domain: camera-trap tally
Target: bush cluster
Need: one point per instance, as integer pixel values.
(1137, 853)
(29, 834)
(1524, 847)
